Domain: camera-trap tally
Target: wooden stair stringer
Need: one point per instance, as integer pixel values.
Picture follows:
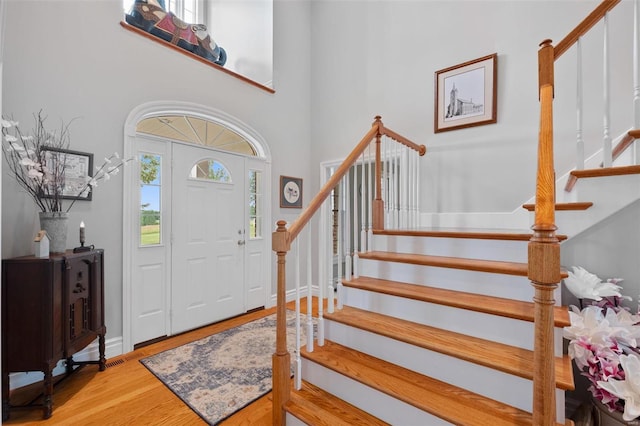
(508, 308)
(438, 398)
(498, 356)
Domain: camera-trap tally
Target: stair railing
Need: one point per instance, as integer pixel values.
(283, 238)
(612, 149)
(544, 247)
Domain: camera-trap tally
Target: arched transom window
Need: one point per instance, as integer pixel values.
(198, 131)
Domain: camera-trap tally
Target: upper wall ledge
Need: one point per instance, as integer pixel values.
(194, 56)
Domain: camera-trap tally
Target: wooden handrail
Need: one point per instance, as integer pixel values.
(281, 240)
(377, 129)
(584, 26)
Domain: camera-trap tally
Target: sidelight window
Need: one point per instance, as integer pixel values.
(255, 204)
(150, 199)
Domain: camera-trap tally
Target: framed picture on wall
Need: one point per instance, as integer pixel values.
(290, 192)
(74, 169)
(466, 94)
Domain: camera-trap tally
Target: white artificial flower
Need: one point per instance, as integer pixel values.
(628, 389)
(28, 162)
(35, 174)
(27, 138)
(10, 138)
(5, 123)
(585, 285)
(115, 154)
(15, 147)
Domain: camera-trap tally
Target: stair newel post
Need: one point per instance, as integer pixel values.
(544, 251)
(281, 359)
(378, 204)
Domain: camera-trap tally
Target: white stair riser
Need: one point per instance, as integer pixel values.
(292, 420)
(376, 403)
(608, 194)
(485, 381)
(510, 251)
(498, 285)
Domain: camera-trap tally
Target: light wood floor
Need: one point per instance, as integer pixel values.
(126, 393)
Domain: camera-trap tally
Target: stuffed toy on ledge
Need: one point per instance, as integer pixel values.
(152, 17)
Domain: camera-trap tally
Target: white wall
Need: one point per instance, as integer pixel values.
(336, 65)
(379, 57)
(75, 60)
(244, 28)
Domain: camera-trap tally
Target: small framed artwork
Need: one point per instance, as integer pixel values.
(290, 192)
(72, 169)
(466, 94)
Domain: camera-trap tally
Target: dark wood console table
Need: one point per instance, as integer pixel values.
(51, 308)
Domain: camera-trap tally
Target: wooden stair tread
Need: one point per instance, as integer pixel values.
(509, 308)
(563, 206)
(441, 399)
(608, 171)
(480, 265)
(317, 407)
(468, 233)
(498, 356)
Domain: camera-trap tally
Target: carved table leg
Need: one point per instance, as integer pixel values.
(47, 403)
(5, 395)
(101, 350)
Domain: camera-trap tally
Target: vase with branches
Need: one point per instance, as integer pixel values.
(41, 175)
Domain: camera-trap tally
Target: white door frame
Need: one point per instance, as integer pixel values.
(130, 182)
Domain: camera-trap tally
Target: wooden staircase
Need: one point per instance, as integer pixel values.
(379, 343)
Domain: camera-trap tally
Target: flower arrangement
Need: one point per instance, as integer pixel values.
(42, 175)
(603, 342)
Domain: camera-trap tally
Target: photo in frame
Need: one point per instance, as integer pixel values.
(466, 94)
(290, 192)
(76, 171)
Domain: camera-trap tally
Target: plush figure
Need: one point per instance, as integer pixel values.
(151, 16)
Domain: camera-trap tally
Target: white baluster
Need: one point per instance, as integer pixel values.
(371, 194)
(606, 142)
(396, 187)
(404, 186)
(309, 294)
(579, 141)
(417, 181)
(636, 66)
(297, 362)
(322, 253)
(363, 210)
(356, 256)
(331, 205)
(415, 178)
(347, 238)
(636, 73)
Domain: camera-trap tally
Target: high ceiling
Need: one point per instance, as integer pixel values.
(197, 131)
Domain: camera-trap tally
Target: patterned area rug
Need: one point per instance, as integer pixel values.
(220, 374)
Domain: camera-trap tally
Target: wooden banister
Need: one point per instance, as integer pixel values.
(584, 26)
(544, 250)
(281, 240)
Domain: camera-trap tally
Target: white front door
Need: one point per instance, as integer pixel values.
(208, 236)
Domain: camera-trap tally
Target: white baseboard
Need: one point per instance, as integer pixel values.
(113, 347)
(291, 295)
